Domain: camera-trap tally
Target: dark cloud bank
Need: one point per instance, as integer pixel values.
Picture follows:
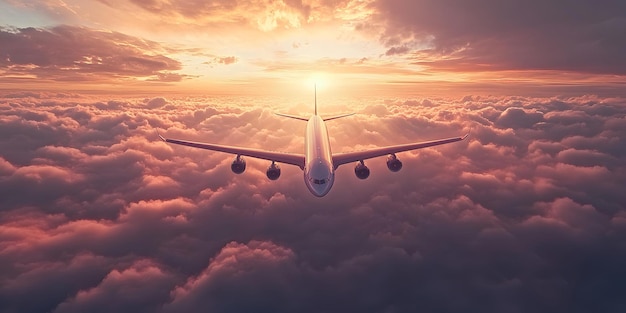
(526, 216)
(580, 36)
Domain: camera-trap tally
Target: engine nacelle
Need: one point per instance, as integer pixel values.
(239, 165)
(361, 171)
(273, 172)
(393, 164)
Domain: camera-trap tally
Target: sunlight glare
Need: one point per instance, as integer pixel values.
(319, 79)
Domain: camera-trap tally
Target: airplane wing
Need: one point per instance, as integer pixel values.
(287, 158)
(343, 158)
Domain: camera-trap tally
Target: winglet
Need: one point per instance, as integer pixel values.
(161, 137)
(468, 133)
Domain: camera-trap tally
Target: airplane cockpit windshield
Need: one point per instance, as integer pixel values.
(319, 181)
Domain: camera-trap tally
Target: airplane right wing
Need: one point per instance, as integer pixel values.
(287, 158)
(343, 158)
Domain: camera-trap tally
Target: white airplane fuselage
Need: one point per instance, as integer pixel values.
(319, 171)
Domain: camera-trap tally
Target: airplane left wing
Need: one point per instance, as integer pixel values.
(343, 158)
(287, 158)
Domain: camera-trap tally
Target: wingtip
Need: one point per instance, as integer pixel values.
(160, 137)
(465, 136)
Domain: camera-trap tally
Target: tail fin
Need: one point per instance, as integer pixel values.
(315, 92)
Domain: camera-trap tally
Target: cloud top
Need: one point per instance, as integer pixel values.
(522, 215)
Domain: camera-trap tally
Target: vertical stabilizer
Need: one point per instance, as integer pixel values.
(315, 91)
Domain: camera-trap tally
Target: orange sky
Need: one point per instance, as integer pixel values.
(349, 46)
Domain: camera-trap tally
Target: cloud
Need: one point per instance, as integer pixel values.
(168, 77)
(361, 66)
(397, 50)
(263, 15)
(143, 286)
(223, 60)
(518, 118)
(524, 214)
(260, 272)
(514, 35)
(68, 53)
(156, 103)
(33, 279)
(226, 60)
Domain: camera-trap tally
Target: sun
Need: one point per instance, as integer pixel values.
(320, 80)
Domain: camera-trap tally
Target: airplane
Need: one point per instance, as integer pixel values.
(318, 162)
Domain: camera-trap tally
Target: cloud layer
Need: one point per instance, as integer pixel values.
(67, 53)
(527, 215)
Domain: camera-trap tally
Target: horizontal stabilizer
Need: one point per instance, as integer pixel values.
(338, 116)
(292, 116)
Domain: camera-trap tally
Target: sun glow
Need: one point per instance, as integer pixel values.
(320, 80)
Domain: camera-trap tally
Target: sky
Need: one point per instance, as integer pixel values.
(525, 215)
(265, 46)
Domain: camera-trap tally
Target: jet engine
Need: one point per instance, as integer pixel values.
(273, 172)
(361, 171)
(393, 164)
(239, 165)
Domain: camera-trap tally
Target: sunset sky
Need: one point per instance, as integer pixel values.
(525, 215)
(358, 46)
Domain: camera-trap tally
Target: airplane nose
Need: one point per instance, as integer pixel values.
(320, 189)
(319, 179)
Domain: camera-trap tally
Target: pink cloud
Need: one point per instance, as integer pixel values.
(143, 285)
(6, 167)
(227, 60)
(158, 209)
(67, 53)
(39, 173)
(243, 267)
(101, 208)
